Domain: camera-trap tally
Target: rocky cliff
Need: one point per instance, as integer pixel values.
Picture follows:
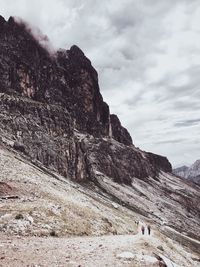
(51, 110)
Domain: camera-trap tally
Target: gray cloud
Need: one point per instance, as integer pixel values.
(147, 55)
(187, 123)
(171, 141)
(183, 106)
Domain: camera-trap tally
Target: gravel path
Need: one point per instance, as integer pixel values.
(80, 251)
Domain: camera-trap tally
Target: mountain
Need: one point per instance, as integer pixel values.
(68, 166)
(181, 171)
(51, 105)
(191, 173)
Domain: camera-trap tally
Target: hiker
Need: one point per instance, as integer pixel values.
(149, 229)
(142, 228)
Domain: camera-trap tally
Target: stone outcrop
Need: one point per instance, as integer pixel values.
(51, 110)
(118, 132)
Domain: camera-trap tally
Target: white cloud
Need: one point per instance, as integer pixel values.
(147, 53)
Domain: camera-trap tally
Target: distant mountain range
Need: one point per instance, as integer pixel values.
(192, 173)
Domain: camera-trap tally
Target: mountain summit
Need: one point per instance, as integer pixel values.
(52, 106)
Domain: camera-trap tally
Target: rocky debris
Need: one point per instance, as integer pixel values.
(160, 260)
(160, 248)
(19, 225)
(126, 255)
(191, 173)
(49, 102)
(115, 205)
(196, 259)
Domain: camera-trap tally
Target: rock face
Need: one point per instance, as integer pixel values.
(119, 133)
(51, 110)
(191, 173)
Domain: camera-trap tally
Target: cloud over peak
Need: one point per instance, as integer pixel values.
(147, 54)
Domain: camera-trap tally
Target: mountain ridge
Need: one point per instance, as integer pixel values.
(191, 173)
(44, 89)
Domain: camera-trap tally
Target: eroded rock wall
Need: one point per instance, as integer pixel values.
(51, 110)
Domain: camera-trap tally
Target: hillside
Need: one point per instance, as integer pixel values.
(40, 210)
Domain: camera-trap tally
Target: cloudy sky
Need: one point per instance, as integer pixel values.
(147, 54)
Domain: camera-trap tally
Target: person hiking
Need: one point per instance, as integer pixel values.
(149, 229)
(142, 228)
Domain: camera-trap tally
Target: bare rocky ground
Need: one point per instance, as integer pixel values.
(41, 213)
(120, 250)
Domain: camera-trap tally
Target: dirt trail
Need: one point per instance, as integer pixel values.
(80, 251)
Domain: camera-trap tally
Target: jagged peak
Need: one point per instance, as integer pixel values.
(76, 53)
(197, 162)
(11, 20)
(2, 20)
(74, 49)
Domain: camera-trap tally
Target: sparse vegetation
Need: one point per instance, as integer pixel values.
(53, 233)
(19, 217)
